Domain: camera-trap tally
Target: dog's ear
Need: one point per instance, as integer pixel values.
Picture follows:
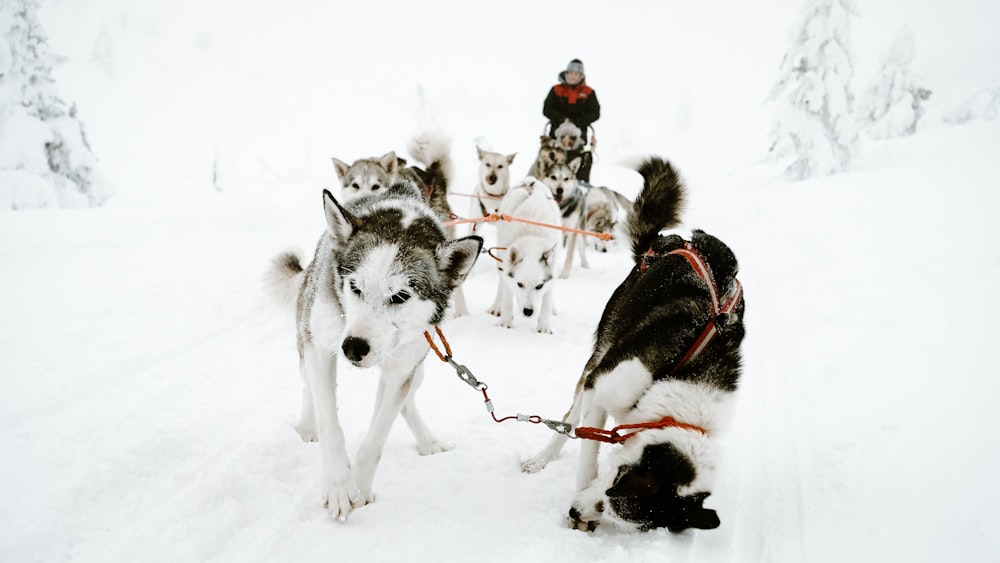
(545, 139)
(513, 255)
(338, 220)
(341, 167)
(697, 516)
(719, 257)
(390, 163)
(456, 258)
(574, 164)
(480, 152)
(510, 158)
(635, 481)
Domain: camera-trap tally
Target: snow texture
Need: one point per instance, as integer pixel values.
(149, 389)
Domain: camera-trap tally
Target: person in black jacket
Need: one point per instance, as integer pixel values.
(573, 100)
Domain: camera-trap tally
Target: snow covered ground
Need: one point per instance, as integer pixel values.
(148, 387)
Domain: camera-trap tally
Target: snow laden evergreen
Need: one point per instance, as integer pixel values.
(894, 103)
(984, 104)
(45, 159)
(814, 124)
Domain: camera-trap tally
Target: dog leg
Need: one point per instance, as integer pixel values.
(555, 445)
(306, 426)
(545, 315)
(397, 378)
(583, 254)
(585, 512)
(506, 305)
(427, 444)
(319, 367)
(570, 249)
(461, 308)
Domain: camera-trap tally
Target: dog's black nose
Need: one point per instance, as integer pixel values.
(492, 179)
(528, 311)
(356, 348)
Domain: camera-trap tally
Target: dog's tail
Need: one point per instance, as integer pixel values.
(434, 152)
(283, 280)
(658, 206)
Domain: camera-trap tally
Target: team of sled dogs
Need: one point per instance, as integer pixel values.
(387, 269)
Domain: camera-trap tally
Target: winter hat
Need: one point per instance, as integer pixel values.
(575, 65)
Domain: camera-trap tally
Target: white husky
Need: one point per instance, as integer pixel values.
(493, 184)
(530, 254)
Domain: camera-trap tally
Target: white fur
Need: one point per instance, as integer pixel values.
(493, 182)
(530, 253)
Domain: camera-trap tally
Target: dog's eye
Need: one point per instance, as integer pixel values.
(356, 186)
(521, 285)
(354, 289)
(539, 286)
(399, 298)
(375, 187)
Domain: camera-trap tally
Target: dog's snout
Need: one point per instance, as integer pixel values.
(492, 179)
(528, 311)
(355, 348)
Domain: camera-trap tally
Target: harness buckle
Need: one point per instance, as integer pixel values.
(465, 375)
(559, 427)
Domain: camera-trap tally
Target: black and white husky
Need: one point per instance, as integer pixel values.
(666, 363)
(382, 274)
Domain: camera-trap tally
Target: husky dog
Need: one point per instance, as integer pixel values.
(569, 136)
(494, 181)
(382, 274)
(650, 364)
(527, 270)
(366, 175)
(549, 155)
(567, 192)
(605, 210)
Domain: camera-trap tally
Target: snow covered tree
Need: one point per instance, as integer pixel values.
(984, 104)
(45, 160)
(814, 123)
(894, 103)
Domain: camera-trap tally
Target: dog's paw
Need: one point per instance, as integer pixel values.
(341, 497)
(494, 311)
(534, 465)
(307, 432)
(585, 518)
(545, 328)
(433, 446)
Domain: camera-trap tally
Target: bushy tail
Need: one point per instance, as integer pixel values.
(658, 206)
(434, 152)
(284, 280)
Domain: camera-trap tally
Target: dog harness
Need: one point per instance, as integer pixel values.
(721, 313)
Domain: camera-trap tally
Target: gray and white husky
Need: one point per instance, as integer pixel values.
(653, 366)
(606, 210)
(366, 176)
(382, 274)
(530, 254)
(566, 189)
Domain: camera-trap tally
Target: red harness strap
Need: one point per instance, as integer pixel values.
(613, 437)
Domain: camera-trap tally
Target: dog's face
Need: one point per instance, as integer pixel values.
(395, 270)
(366, 176)
(561, 179)
(569, 136)
(529, 271)
(653, 492)
(550, 153)
(494, 168)
(600, 219)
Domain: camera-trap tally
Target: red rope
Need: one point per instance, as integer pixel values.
(613, 437)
